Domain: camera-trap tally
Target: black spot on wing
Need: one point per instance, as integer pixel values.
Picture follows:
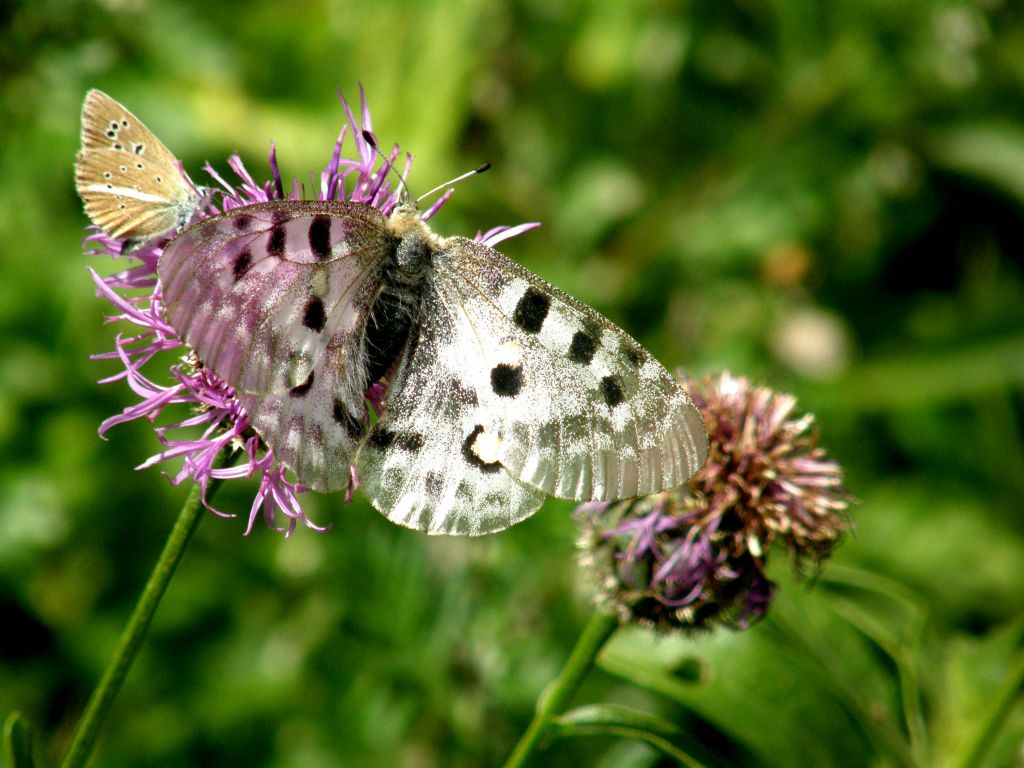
(242, 263)
(531, 310)
(277, 241)
(410, 441)
(354, 427)
(583, 347)
(315, 317)
(320, 236)
(381, 438)
(611, 390)
(633, 355)
(303, 388)
(470, 456)
(241, 222)
(507, 380)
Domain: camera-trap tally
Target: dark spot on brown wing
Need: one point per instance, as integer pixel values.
(314, 317)
(583, 347)
(611, 389)
(531, 310)
(354, 427)
(276, 241)
(303, 388)
(242, 263)
(471, 458)
(507, 380)
(320, 236)
(139, 149)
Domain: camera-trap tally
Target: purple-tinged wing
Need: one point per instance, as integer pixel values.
(274, 299)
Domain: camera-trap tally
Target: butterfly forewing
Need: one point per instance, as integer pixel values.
(514, 390)
(274, 299)
(131, 184)
(582, 411)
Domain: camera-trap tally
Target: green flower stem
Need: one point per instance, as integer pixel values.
(554, 700)
(134, 633)
(994, 718)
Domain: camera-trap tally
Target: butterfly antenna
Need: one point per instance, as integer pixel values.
(457, 179)
(404, 195)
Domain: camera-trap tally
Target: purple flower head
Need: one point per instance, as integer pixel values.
(693, 557)
(213, 420)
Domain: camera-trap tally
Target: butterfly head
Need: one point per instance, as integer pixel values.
(416, 243)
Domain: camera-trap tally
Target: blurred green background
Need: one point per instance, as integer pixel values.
(827, 197)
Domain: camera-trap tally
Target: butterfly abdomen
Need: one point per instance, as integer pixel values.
(396, 311)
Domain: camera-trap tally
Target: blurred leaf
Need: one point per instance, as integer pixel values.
(760, 690)
(18, 741)
(921, 379)
(616, 720)
(991, 152)
(978, 713)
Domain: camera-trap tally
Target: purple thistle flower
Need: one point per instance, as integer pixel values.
(694, 557)
(216, 420)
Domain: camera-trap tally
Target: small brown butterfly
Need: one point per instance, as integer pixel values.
(132, 186)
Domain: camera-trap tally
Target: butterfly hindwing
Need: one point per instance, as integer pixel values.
(429, 461)
(274, 298)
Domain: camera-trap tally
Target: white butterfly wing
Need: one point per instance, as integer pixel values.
(274, 299)
(514, 390)
(583, 411)
(131, 184)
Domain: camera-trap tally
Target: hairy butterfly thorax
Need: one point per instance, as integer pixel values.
(501, 389)
(395, 314)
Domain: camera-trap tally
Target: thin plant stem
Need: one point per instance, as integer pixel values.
(96, 711)
(995, 716)
(553, 701)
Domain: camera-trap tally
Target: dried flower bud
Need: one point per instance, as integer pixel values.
(693, 557)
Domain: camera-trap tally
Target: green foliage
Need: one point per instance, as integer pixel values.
(828, 196)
